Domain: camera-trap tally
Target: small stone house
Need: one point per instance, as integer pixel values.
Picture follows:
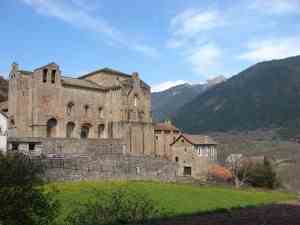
(165, 134)
(194, 153)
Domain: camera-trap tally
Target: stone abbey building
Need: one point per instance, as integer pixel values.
(96, 126)
(101, 104)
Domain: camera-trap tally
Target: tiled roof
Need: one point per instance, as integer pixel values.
(106, 70)
(165, 127)
(196, 139)
(81, 83)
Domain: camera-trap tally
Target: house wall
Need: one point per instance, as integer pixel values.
(163, 140)
(186, 156)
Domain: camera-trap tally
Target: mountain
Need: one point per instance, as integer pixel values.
(3, 89)
(166, 103)
(266, 95)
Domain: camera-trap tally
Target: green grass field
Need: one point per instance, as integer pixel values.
(177, 198)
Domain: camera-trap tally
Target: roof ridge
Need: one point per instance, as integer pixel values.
(105, 69)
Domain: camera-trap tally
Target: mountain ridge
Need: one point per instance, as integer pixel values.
(166, 103)
(264, 95)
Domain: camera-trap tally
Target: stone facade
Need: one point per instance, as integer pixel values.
(97, 126)
(102, 104)
(165, 134)
(92, 159)
(194, 153)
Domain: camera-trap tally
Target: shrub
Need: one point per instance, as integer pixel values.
(22, 200)
(263, 175)
(119, 206)
(220, 174)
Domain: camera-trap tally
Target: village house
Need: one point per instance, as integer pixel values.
(194, 153)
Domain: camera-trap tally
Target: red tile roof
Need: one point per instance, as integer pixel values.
(197, 139)
(165, 127)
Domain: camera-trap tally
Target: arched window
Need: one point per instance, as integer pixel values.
(86, 108)
(70, 107)
(70, 129)
(101, 128)
(136, 99)
(51, 127)
(45, 74)
(85, 131)
(100, 112)
(53, 76)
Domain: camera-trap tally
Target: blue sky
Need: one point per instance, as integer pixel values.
(167, 41)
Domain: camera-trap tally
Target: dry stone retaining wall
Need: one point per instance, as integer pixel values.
(93, 159)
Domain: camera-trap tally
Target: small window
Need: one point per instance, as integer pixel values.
(86, 108)
(45, 74)
(53, 75)
(187, 171)
(156, 137)
(100, 111)
(135, 100)
(31, 147)
(176, 159)
(70, 108)
(15, 146)
(182, 140)
(101, 129)
(138, 170)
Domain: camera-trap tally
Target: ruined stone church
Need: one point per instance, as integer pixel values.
(101, 104)
(96, 126)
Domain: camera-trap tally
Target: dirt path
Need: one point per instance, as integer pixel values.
(280, 214)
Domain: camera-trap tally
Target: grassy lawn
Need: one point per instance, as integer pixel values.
(176, 198)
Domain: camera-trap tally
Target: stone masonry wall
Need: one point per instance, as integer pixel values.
(93, 159)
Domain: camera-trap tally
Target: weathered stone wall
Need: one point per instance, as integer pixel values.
(38, 98)
(139, 137)
(186, 156)
(94, 159)
(163, 141)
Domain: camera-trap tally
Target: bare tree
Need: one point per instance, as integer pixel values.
(240, 168)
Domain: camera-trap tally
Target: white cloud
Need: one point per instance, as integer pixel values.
(78, 13)
(277, 6)
(206, 59)
(190, 33)
(190, 22)
(166, 85)
(277, 48)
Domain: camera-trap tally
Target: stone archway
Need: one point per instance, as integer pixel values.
(70, 130)
(51, 127)
(85, 131)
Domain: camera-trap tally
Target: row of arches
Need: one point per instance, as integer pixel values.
(70, 129)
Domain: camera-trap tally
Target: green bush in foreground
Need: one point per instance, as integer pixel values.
(22, 200)
(119, 206)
